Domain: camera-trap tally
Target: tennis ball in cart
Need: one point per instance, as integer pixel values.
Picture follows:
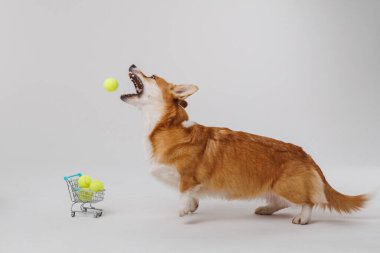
(84, 181)
(110, 84)
(96, 185)
(85, 194)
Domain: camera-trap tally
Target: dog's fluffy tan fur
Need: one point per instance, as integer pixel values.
(234, 165)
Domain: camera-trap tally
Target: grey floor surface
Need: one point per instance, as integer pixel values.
(140, 215)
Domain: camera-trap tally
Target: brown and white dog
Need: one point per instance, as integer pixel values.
(212, 161)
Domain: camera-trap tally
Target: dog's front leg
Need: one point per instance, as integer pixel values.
(188, 188)
(166, 174)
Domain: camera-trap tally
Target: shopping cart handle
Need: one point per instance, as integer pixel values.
(75, 175)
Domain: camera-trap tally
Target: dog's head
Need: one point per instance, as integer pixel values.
(156, 91)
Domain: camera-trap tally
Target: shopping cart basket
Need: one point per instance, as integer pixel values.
(83, 197)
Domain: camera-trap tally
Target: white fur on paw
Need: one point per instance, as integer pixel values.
(264, 210)
(300, 220)
(184, 206)
(184, 212)
(194, 205)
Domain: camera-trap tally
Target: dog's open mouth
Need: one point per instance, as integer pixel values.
(139, 86)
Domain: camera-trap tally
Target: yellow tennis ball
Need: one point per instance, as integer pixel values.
(96, 186)
(84, 181)
(85, 194)
(110, 84)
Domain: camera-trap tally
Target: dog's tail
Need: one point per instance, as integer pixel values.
(343, 203)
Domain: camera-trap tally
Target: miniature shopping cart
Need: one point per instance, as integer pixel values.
(83, 197)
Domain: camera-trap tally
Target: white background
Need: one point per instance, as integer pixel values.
(306, 72)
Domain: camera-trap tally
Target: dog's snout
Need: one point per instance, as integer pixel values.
(133, 66)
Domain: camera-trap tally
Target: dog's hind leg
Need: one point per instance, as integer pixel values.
(274, 204)
(304, 216)
(302, 186)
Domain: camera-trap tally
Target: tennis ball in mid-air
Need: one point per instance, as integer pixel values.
(110, 84)
(85, 194)
(96, 186)
(84, 181)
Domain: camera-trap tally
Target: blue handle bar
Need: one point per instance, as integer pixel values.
(75, 175)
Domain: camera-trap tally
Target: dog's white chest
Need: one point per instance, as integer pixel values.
(165, 173)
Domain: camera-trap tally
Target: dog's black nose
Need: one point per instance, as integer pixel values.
(133, 66)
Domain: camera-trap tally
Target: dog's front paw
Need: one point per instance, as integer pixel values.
(183, 212)
(194, 205)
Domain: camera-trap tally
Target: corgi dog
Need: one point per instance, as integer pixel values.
(202, 161)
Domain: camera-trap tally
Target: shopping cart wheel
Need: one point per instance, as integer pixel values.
(72, 214)
(100, 214)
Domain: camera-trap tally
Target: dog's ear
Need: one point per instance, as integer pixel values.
(182, 91)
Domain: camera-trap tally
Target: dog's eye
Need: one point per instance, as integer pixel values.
(153, 76)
